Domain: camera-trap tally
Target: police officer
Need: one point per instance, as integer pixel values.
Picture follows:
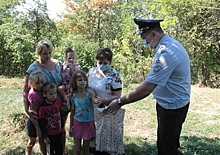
(168, 81)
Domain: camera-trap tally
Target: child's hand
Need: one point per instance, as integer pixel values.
(97, 100)
(70, 64)
(71, 69)
(32, 114)
(47, 140)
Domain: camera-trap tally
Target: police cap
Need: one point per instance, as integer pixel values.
(145, 25)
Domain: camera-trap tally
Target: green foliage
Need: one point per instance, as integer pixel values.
(195, 24)
(86, 53)
(202, 38)
(128, 57)
(15, 53)
(20, 36)
(87, 26)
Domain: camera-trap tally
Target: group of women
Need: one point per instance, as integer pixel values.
(102, 79)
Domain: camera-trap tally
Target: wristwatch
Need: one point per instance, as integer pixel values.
(119, 102)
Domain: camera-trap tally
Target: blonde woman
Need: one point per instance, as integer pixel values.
(51, 68)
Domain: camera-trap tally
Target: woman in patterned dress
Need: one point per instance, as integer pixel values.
(107, 85)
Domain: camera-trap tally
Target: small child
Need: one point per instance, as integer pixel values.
(82, 125)
(36, 81)
(69, 67)
(50, 120)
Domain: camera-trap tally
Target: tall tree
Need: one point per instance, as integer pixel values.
(20, 32)
(200, 20)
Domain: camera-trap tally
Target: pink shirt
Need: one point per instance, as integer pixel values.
(66, 72)
(35, 97)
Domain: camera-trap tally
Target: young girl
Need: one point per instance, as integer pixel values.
(69, 67)
(82, 113)
(36, 81)
(50, 120)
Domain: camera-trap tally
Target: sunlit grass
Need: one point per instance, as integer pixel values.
(200, 134)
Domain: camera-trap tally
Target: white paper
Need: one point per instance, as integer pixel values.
(101, 109)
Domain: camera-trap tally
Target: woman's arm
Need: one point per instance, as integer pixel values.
(35, 120)
(92, 97)
(107, 100)
(31, 113)
(142, 91)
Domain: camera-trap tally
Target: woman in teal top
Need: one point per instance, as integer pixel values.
(51, 69)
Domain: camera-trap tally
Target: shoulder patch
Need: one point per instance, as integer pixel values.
(158, 66)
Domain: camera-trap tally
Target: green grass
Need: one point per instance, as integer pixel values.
(200, 134)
